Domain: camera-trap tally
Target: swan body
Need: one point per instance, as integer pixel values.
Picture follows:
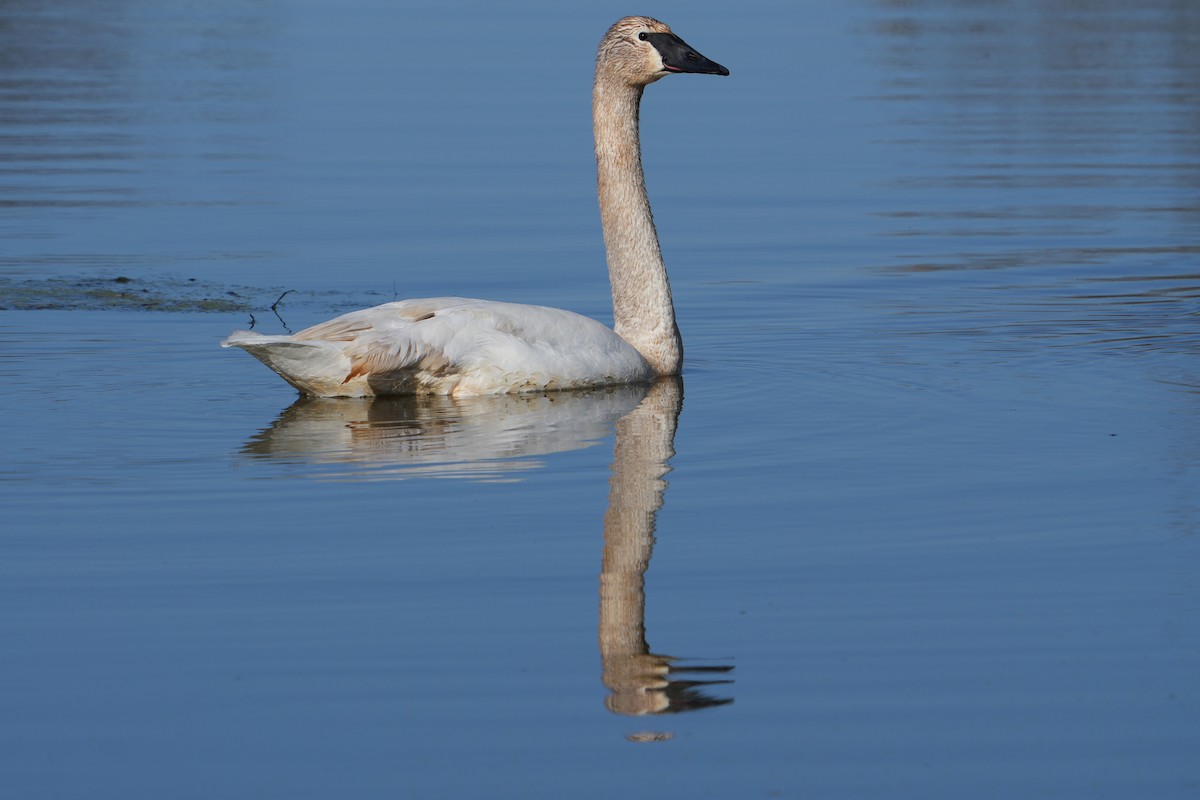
(448, 345)
(459, 346)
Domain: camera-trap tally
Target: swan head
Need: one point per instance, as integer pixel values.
(640, 50)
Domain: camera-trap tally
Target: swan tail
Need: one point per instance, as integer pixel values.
(347, 367)
(313, 366)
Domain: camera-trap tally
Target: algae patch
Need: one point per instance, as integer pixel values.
(120, 293)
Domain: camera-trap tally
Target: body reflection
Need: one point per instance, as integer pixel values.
(481, 438)
(642, 682)
(493, 438)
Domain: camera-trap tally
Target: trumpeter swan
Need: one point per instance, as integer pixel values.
(457, 346)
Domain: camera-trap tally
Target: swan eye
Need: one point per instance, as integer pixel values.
(643, 36)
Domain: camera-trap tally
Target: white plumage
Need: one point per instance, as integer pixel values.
(456, 346)
(448, 345)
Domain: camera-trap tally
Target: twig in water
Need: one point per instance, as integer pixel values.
(253, 321)
(275, 310)
(275, 305)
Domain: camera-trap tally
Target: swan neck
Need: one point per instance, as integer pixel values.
(643, 314)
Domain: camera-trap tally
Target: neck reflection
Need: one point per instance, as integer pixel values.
(500, 439)
(641, 682)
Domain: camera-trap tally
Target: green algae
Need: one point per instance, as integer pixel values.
(124, 293)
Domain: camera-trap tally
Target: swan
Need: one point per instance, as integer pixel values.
(462, 347)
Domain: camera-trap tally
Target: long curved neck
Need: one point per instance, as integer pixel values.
(643, 314)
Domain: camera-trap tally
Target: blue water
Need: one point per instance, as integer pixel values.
(929, 514)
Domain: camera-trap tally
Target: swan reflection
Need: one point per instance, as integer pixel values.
(480, 438)
(493, 438)
(641, 682)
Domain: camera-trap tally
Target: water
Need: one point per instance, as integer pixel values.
(928, 488)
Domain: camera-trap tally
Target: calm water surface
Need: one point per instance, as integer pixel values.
(920, 519)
